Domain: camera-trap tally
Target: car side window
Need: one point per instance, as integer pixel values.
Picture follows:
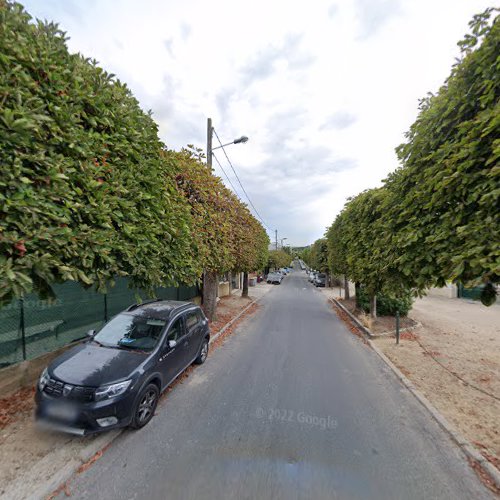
(175, 330)
(191, 319)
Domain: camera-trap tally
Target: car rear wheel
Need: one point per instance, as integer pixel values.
(146, 406)
(202, 355)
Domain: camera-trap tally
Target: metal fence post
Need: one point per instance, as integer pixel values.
(22, 327)
(397, 327)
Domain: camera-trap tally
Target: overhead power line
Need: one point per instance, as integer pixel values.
(239, 181)
(228, 179)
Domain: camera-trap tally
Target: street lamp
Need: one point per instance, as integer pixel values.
(210, 131)
(240, 140)
(282, 240)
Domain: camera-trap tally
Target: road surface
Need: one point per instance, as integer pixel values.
(291, 406)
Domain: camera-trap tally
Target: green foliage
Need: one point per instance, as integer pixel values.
(488, 295)
(212, 206)
(305, 255)
(88, 192)
(358, 242)
(278, 259)
(436, 217)
(319, 256)
(83, 194)
(386, 304)
(226, 236)
(337, 247)
(444, 198)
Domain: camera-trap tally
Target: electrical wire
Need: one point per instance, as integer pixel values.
(228, 179)
(246, 194)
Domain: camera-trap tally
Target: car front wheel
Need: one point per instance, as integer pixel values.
(146, 406)
(202, 355)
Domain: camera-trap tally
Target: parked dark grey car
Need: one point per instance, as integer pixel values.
(320, 280)
(115, 378)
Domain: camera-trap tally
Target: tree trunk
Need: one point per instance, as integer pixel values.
(230, 278)
(210, 284)
(346, 288)
(356, 291)
(373, 306)
(244, 292)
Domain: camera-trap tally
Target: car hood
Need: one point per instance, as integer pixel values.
(92, 365)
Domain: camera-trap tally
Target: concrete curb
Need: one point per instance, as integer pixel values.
(353, 318)
(102, 441)
(229, 323)
(62, 475)
(466, 447)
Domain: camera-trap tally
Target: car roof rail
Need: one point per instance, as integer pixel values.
(135, 306)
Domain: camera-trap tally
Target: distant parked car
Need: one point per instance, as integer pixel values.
(320, 280)
(275, 278)
(115, 378)
(312, 276)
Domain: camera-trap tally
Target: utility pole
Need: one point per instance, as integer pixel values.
(276, 236)
(209, 142)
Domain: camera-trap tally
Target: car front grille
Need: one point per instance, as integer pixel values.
(58, 389)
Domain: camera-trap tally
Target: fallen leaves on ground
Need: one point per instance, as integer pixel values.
(484, 476)
(349, 323)
(11, 407)
(431, 353)
(409, 336)
(63, 488)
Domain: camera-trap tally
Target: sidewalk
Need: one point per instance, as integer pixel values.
(453, 358)
(30, 457)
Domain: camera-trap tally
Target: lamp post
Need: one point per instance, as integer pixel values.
(211, 279)
(282, 240)
(210, 133)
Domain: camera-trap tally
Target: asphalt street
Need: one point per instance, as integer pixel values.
(291, 406)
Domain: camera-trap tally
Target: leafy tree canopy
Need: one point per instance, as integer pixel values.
(444, 199)
(278, 259)
(84, 195)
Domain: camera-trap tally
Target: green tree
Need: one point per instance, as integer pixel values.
(305, 255)
(337, 251)
(213, 208)
(319, 255)
(250, 246)
(278, 259)
(443, 203)
(84, 194)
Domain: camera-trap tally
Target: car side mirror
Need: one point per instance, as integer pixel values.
(171, 344)
(91, 333)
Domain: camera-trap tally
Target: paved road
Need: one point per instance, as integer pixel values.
(291, 406)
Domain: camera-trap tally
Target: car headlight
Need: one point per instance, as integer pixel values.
(112, 390)
(44, 379)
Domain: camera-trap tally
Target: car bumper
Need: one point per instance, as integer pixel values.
(83, 418)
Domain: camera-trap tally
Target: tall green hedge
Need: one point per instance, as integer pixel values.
(84, 194)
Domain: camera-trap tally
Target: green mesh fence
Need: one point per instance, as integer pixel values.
(31, 327)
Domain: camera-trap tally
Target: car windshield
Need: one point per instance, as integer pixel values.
(131, 332)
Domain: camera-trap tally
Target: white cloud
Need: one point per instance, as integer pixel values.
(324, 90)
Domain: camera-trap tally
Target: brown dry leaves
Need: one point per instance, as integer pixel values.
(11, 407)
(349, 323)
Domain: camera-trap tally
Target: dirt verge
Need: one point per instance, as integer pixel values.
(453, 358)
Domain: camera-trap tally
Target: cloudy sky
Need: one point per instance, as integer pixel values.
(324, 89)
